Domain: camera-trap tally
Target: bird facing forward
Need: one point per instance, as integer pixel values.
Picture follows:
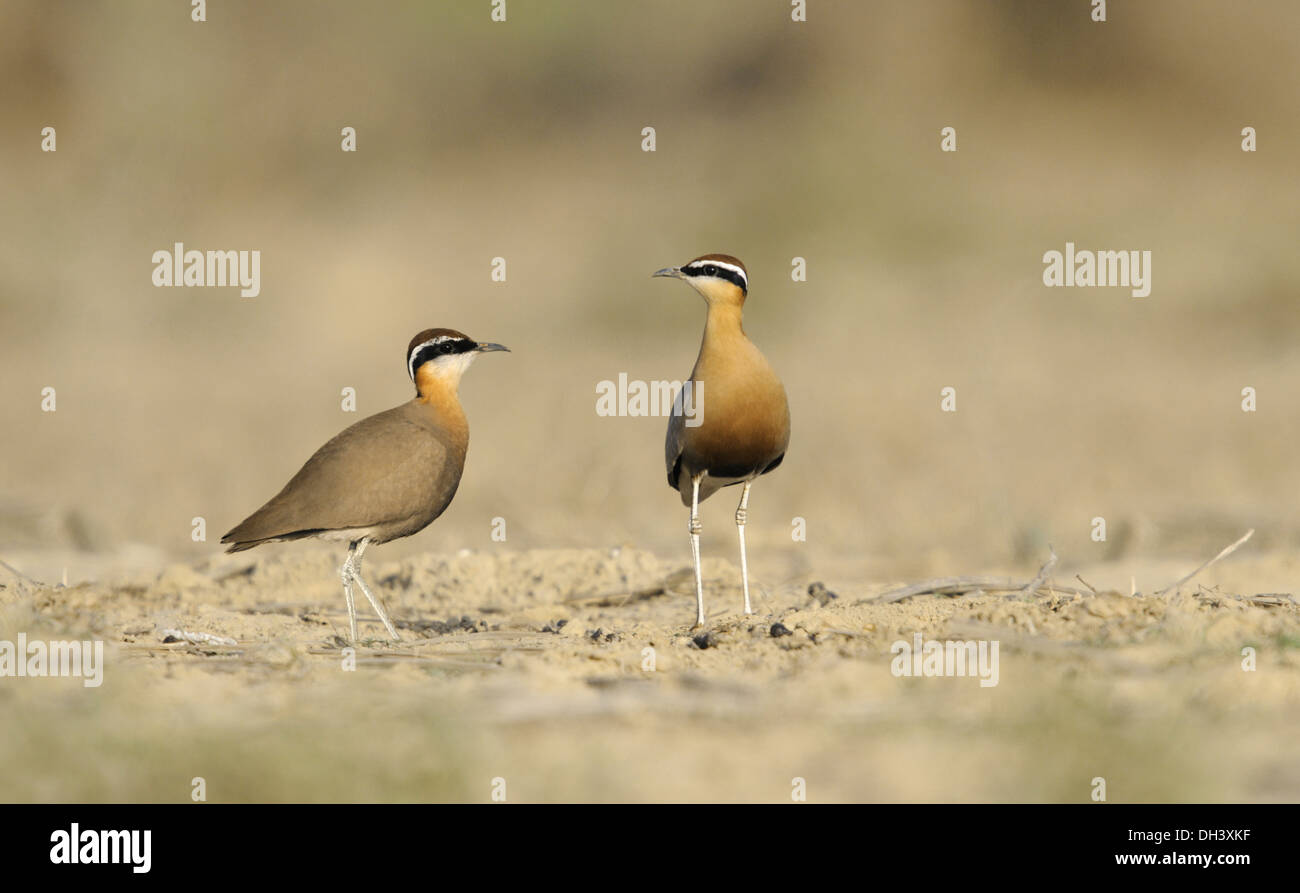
(743, 418)
(386, 477)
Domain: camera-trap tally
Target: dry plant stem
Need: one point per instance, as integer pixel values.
(1042, 574)
(19, 574)
(1259, 600)
(1224, 554)
(619, 598)
(960, 585)
(1004, 586)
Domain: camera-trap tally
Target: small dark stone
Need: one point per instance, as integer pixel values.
(560, 624)
(819, 591)
(169, 639)
(595, 634)
(779, 629)
(704, 640)
(439, 627)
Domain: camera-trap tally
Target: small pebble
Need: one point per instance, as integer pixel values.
(823, 595)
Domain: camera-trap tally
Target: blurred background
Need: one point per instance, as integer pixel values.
(774, 140)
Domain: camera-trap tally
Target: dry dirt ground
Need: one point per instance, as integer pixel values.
(532, 668)
(818, 140)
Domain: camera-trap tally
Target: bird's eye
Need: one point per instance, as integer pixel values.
(448, 347)
(710, 270)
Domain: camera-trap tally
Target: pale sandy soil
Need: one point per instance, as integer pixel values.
(819, 141)
(530, 666)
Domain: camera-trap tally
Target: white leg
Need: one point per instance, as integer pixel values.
(740, 527)
(694, 528)
(374, 602)
(345, 574)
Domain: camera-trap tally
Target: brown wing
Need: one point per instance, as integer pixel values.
(386, 469)
(674, 443)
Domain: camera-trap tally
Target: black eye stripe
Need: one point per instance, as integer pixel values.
(735, 277)
(428, 352)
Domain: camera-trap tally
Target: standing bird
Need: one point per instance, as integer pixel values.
(743, 424)
(387, 476)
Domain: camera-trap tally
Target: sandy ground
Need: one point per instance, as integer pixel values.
(532, 667)
(818, 141)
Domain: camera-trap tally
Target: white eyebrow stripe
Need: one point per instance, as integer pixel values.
(700, 264)
(415, 351)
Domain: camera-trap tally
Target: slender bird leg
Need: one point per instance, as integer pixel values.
(740, 527)
(694, 527)
(345, 574)
(374, 602)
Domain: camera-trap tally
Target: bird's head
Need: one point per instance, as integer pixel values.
(437, 358)
(719, 278)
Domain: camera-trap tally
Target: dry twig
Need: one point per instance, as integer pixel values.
(1043, 572)
(19, 574)
(1224, 554)
(966, 585)
(609, 599)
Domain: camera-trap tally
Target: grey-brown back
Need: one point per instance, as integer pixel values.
(393, 473)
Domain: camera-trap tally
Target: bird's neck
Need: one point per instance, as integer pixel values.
(723, 322)
(724, 341)
(438, 393)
